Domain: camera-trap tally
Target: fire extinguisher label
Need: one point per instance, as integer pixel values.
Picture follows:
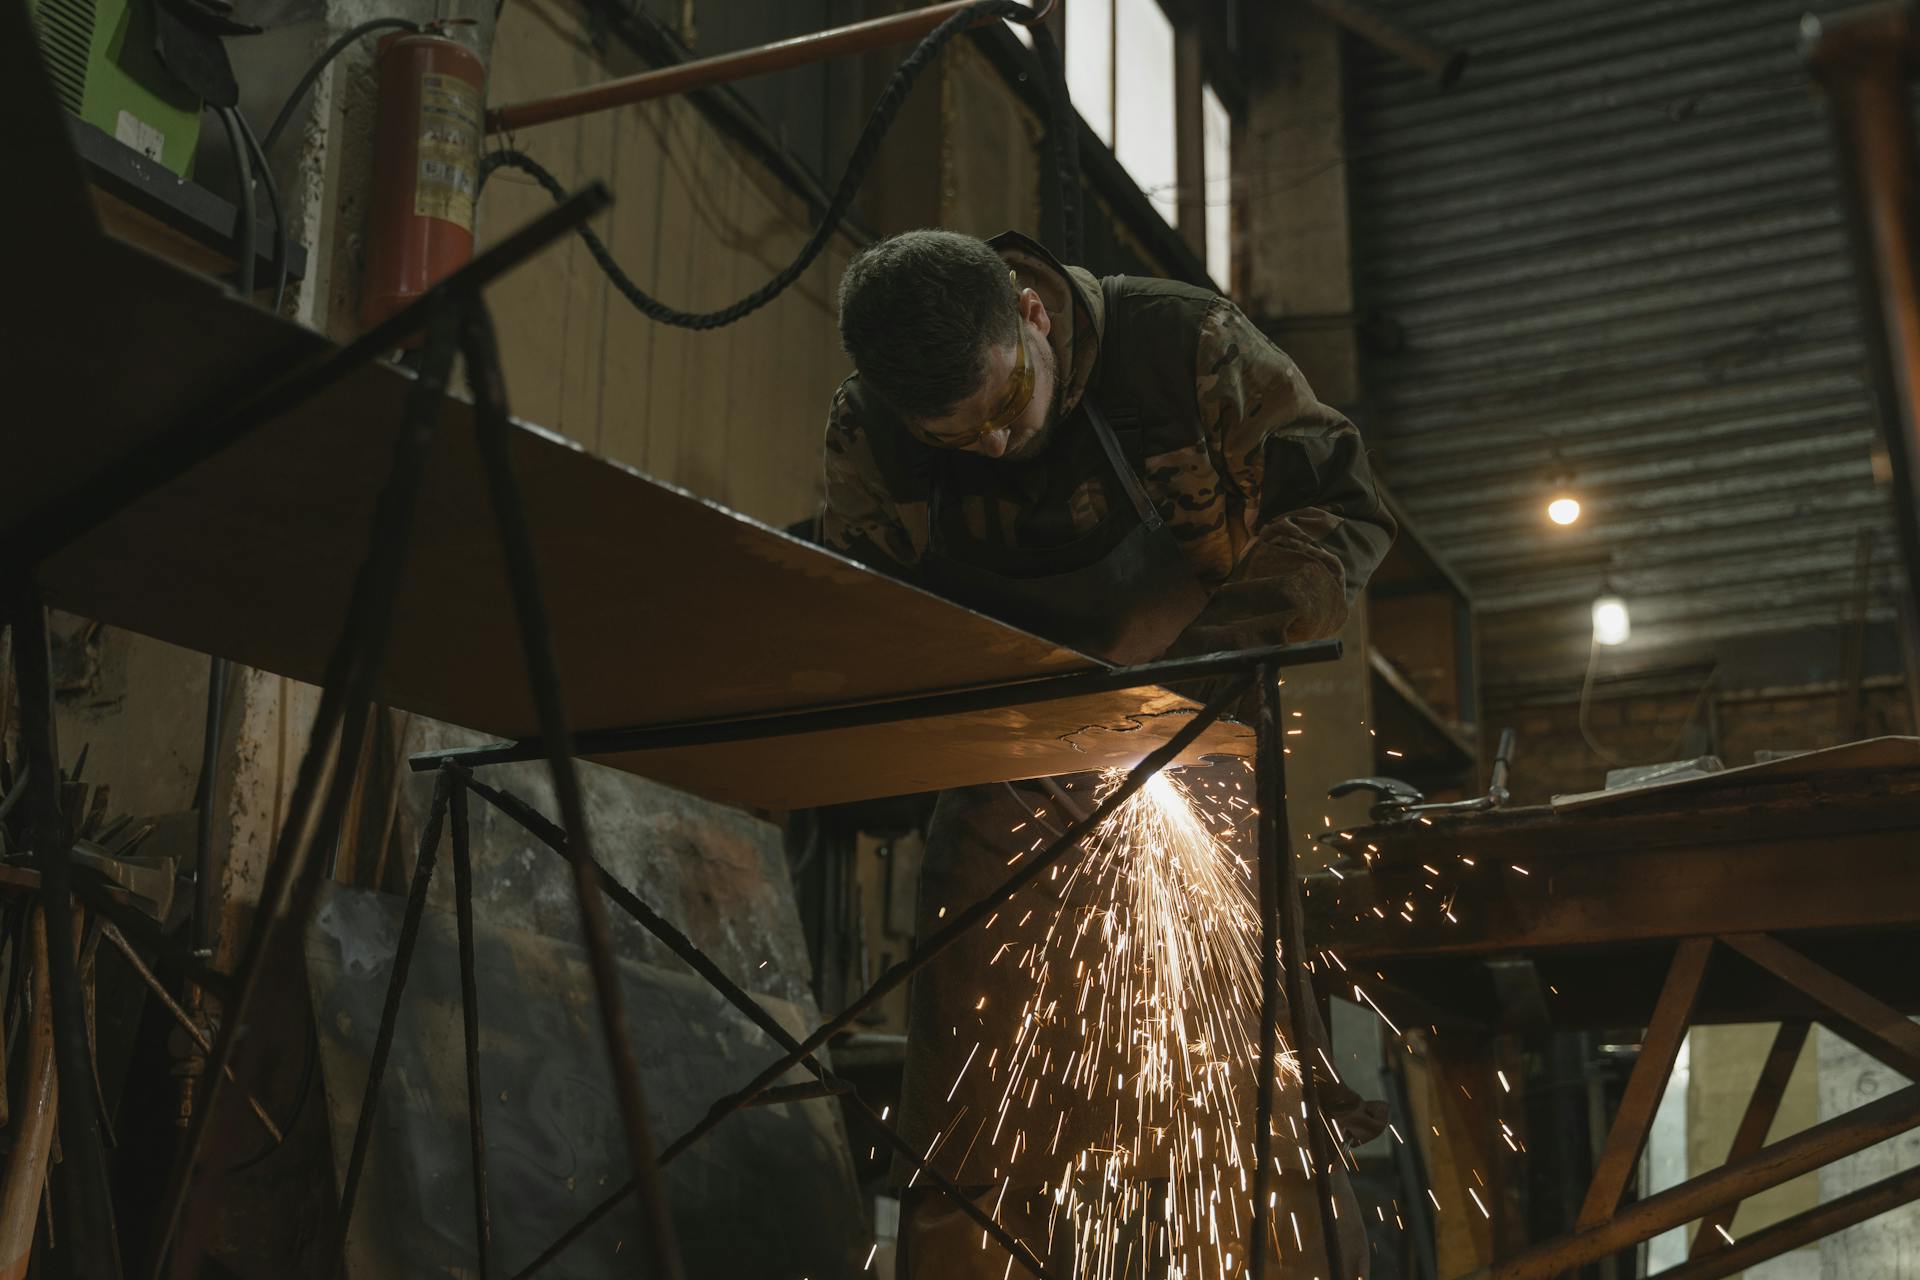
(449, 176)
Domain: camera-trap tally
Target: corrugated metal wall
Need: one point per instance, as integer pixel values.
(1615, 249)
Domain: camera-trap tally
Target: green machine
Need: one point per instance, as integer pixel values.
(100, 55)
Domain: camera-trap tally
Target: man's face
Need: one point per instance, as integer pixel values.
(1027, 434)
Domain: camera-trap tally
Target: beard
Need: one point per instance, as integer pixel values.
(1033, 445)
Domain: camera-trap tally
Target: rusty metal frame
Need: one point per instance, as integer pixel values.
(1864, 61)
(1280, 908)
(1603, 1227)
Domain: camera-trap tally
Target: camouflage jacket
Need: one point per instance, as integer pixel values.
(1267, 489)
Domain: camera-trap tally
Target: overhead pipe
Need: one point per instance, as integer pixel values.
(781, 55)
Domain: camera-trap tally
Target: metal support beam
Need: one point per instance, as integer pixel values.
(331, 758)
(1754, 1123)
(492, 433)
(1022, 693)
(470, 1018)
(1802, 1228)
(389, 1019)
(1876, 1027)
(1658, 1049)
(1783, 1161)
(1863, 60)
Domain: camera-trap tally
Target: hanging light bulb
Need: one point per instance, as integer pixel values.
(1610, 623)
(1564, 509)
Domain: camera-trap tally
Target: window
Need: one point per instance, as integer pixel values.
(1143, 116)
(1122, 73)
(1090, 63)
(1217, 152)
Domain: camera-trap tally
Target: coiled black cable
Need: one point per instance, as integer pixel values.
(320, 64)
(885, 110)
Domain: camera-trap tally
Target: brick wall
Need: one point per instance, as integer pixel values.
(1552, 757)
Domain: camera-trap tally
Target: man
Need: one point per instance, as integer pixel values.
(1124, 465)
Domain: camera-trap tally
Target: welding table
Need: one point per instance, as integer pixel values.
(1782, 891)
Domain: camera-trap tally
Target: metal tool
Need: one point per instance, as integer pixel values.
(1397, 801)
(149, 879)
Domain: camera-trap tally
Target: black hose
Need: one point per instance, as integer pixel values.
(243, 168)
(272, 189)
(885, 110)
(320, 64)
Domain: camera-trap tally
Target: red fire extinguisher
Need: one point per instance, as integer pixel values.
(426, 168)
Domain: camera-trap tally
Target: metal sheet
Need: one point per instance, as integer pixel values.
(1615, 248)
(666, 608)
(770, 1194)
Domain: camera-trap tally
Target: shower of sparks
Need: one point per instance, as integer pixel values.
(1144, 1013)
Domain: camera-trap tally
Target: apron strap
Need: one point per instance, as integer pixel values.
(1136, 492)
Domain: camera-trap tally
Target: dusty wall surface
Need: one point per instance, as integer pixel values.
(1553, 758)
(734, 414)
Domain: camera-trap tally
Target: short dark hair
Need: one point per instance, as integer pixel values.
(918, 313)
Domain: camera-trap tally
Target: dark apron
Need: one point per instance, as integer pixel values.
(1121, 593)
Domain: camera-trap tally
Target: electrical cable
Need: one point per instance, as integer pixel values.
(272, 189)
(243, 168)
(1586, 703)
(312, 73)
(885, 110)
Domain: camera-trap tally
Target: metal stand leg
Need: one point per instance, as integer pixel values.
(470, 1020)
(293, 877)
(1269, 796)
(1300, 997)
(94, 1244)
(493, 431)
(389, 1017)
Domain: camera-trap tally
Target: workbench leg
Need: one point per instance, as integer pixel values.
(327, 767)
(389, 1017)
(94, 1244)
(1659, 1048)
(470, 1022)
(1282, 939)
(493, 430)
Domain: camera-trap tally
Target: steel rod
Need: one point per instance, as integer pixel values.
(185, 1019)
(470, 1018)
(932, 947)
(96, 1250)
(346, 695)
(1762, 1105)
(1271, 839)
(211, 426)
(1824, 1143)
(1021, 693)
(1293, 948)
(797, 51)
(389, 1016)
(492, 433)
(1802, 1228)
(1864, 60)
(554, 839)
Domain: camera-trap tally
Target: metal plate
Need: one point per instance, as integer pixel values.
(771, 1193)
(665, 607)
